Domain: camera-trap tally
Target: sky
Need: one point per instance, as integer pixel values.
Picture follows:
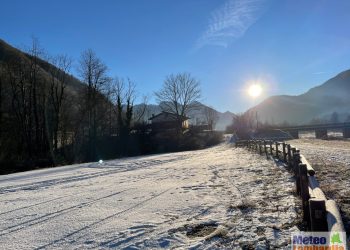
(287, 46)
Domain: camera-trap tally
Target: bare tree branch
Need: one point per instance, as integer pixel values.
(179, 94)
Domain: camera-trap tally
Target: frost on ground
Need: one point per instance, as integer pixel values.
(221, 197)
(331, 160)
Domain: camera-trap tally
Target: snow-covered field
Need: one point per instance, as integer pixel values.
(221, 197)
(331, 160)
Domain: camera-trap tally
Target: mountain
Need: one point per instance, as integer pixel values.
(197, 116)
(319, 102)
(9, 54)
(225, 119)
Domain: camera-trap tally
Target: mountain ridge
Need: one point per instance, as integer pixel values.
(8, 53)
(318, 102)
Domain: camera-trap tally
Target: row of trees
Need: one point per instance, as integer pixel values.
(48, 117)
(26, 104)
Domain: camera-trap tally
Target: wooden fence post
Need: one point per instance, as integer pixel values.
(294, 150)
(260, 147)
(255, 145)
(304, 191)
(265, 149)
(296, 158)
(284, 152)
(271, 153)
(276, 143)
(318, 215)
(289, 155)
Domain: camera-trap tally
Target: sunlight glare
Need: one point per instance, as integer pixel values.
(255, 90)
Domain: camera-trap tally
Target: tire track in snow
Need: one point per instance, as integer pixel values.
(53, 182)
(96, 223)
(137, 237)
(40, 203)
(37, 204)
(46, 217)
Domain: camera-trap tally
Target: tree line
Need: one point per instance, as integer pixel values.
(48, 118)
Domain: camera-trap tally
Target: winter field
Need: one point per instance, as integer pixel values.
(221, 197)
(331, 160)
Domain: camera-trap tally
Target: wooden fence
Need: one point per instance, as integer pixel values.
(319, 213)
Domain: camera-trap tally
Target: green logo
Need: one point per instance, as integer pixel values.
(336, 239)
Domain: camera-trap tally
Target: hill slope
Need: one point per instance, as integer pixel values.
(319, 102)
(9, 53)
(40, 106)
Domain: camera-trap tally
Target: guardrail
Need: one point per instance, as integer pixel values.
(320, 214)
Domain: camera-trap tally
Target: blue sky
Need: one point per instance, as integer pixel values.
(288, 46)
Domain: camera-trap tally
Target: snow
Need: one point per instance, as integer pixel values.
(221, 197)
(325, 151)
(331, 160)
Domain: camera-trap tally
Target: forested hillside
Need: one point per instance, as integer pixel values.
(49, 117)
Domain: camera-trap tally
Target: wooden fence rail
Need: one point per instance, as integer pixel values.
(319, 213)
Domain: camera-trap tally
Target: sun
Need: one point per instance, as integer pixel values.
(255, 90)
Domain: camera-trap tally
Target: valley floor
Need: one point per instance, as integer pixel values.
(331, 160)
(221, 197)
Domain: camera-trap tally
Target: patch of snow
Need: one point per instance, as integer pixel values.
(221, 197)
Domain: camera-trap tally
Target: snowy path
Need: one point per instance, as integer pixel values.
(220, 197)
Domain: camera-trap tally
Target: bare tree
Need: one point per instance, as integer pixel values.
(119, 87)
(27, 95)
(130, 95)
(125, 94)
(110, 95)
(20, 105)
(179, 94)
(57, 88)
(242, 124)
(37, 97)
(93, 73)
(140, 115)
(211, 117)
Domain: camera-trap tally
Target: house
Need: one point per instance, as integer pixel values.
(168, 121)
